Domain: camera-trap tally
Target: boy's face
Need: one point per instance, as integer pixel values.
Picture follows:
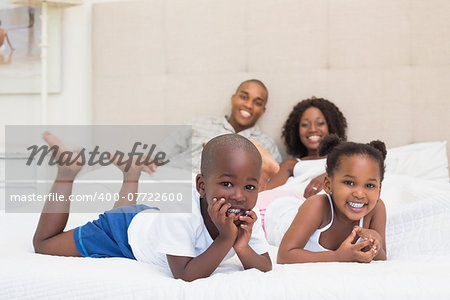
(234, 177)
(247, 105)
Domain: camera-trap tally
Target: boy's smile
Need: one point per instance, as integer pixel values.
(355, 186)
(234, 178)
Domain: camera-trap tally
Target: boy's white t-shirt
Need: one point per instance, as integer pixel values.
(153, 235)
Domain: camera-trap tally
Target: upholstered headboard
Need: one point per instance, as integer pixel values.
(385, 63)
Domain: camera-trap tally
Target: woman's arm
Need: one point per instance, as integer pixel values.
(280, 178)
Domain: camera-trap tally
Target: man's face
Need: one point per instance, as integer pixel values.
(247, 106)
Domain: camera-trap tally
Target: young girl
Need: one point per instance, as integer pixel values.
(308, 123)
(348, 223)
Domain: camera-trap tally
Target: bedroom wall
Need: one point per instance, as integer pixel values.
(385, 63)
(376, 59)
(73, 105)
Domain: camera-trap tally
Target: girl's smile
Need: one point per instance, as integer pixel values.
(312, 128)
(355, 186)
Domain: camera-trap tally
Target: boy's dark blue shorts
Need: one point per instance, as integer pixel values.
(107, 236)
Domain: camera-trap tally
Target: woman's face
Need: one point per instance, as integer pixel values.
(312, 128)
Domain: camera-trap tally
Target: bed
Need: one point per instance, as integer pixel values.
(150, 54)
(418, 227)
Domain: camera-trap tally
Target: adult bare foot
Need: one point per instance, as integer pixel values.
(269, 165)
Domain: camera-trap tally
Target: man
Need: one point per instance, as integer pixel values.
(248, 104)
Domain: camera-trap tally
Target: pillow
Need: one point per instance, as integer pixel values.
(422, 160)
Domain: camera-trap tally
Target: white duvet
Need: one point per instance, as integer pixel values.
(418, 245)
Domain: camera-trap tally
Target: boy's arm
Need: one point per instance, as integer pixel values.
(188, 268)
(192, 268)
(248, 257)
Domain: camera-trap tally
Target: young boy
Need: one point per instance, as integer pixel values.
(193, 244)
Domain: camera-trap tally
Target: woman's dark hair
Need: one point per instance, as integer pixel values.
(334, 147)
(336, 122)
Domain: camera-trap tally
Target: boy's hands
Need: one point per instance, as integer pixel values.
(237, 237)
(245, 230)
(217, 210)
(349, 252)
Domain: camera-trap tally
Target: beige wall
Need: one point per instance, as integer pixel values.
(74, 104)
(385, 63)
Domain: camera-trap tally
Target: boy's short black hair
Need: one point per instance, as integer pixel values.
(336, 122)
(226, 142)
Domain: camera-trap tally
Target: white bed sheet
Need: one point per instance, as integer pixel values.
(418, 232)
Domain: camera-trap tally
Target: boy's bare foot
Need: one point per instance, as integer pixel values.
(269, 165)
(131, 169)
(65, 171)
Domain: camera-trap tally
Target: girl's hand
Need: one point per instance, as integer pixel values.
(349, 252)
(370, 235)
(245, 230)
(217, 210)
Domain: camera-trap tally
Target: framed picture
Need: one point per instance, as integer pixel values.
(20, 51)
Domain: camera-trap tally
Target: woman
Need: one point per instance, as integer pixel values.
(308, 123)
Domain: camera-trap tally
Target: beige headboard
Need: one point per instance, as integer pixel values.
(385, 63)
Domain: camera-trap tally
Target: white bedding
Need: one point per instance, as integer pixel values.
(418, 232)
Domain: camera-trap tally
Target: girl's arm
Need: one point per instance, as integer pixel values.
(308, 219)
(377, 230)
(280, 178)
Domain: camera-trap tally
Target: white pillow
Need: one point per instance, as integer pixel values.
(422, 160)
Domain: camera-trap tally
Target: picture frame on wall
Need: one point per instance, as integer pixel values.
(20, 64)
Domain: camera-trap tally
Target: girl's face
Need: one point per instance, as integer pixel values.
(354, 186)
(312, 129)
